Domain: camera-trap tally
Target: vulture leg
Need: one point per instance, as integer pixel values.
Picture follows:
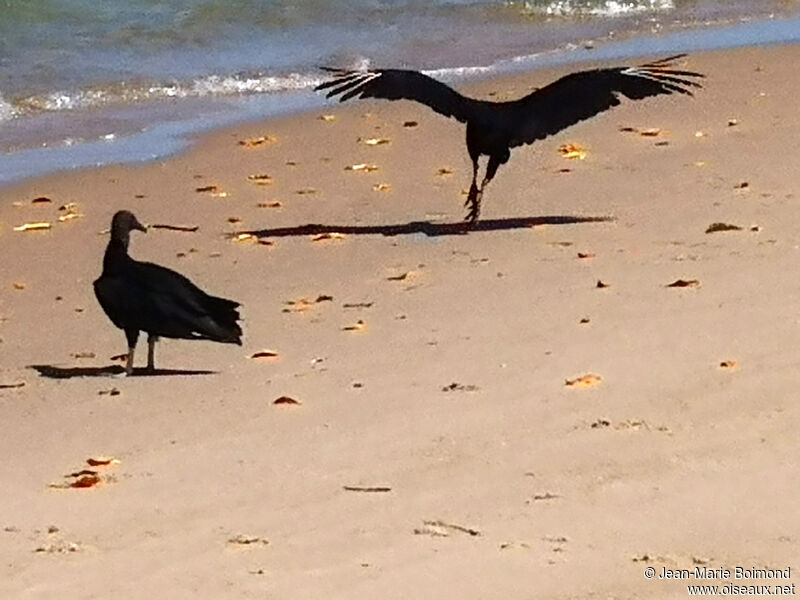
(491, 171)
(151, 351)
(133, 336)
(476, 193)
(473, 202)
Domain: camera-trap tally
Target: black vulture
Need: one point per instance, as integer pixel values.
(142, 296)
(493, 128)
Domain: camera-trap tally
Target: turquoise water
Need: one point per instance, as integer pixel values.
(85, 82)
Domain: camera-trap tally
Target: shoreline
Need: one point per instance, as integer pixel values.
(519, 430)
(169, 138)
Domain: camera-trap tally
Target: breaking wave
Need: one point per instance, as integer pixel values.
(127, 93)
(599, 8)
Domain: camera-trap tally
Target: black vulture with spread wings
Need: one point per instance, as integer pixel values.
(494, 128)
(142, 296)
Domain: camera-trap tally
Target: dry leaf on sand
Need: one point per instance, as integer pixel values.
(286, 400)
(38, 226)
(362, 167)
(258, 141)
(572, 151)
(715, 227)
(356, 327)
(684, 283)
(261, 179)
(328, 235)
(265, 355)
(583, 382)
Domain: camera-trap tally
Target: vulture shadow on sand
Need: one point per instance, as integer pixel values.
(427, 228)
(54, 372)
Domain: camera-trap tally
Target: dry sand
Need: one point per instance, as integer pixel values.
(453, 395)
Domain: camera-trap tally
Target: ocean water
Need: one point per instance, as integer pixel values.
(85, 82)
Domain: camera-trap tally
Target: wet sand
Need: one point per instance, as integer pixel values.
(436, 450)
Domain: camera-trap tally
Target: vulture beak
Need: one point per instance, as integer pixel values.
(138, 226)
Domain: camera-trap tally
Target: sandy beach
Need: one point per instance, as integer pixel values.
(528, 410)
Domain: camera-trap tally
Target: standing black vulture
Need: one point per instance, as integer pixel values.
(493, 128)
(141, 296)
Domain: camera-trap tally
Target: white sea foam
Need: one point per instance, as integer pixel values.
(7, 111)
(210, 86)
(604, 8)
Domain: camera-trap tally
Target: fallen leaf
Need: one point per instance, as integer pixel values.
(41, 200)
(324, 298)
(650, 132)
(70, 211)
(381, 187)
(119, 357)
(545, 496)
(265, 355)
(443, 171)
(328, 235)
(728, 364)
(715, 227)
(601, 284)
(33, 226)
(585, 255)
(11, 386)
(585, 381)
(272, 204)
(440, 528)
(244, 237)
(18, 286)
(368, 489)
(363, 167)
(261, 179)
(247, 540)
(571, 151)
(460, 387)
(258, 141)
(357, 326)
(378, 141)
(327, 118)
(700, 134)
(234, 220)
(410, 123)
(109, 392)
(102, 461)
(301, 305)
(83, 355)
(185, 228)
(287, 400)
(85, 481)
(684, 283)
(357, 305)
(733, 122)
(401, 276)
(741, 186)
(306, 191)
(206, 188)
